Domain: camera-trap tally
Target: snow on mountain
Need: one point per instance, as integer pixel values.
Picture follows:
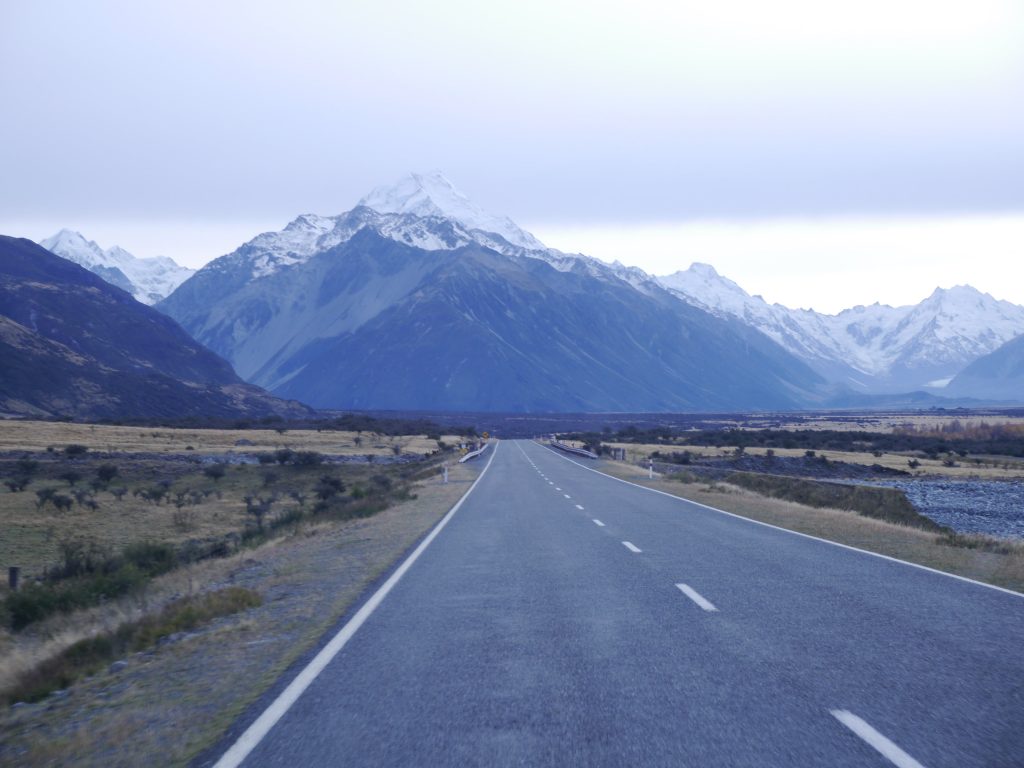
(148, 280)
(874, 348)
(431, 194)
(422, 210)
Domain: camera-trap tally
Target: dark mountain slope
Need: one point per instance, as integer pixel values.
(484, 331)
(998, 375)
(72, 344)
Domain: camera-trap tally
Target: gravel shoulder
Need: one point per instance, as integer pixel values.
(166, 705)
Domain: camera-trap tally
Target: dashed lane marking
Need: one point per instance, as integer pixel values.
(691, 593)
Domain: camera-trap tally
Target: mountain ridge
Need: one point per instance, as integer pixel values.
(875, 348)
(325, 311)
(148, 280)
(74, 345)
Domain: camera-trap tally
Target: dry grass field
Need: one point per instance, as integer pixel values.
(984, 468)
(874, 421)
(39, 435)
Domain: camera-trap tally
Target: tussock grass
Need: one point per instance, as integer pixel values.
(89, 655)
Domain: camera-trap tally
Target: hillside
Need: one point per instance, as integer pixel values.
(74, 345)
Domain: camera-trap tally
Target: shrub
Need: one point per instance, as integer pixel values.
(283, 455)
(106, 472)
(61, 502)
(26, 466)
(71, 477)
(17, 484)
(328, 487)
(265, 458)
(43, 495)
(307, 459)
(215, 471)
(74, 450)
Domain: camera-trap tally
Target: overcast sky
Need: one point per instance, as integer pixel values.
(820, 153)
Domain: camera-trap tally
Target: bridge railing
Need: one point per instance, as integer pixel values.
(570, 449)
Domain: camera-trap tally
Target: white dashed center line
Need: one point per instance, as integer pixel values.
(567, 495)
(691, 593)
(887, 748)
(598, 523)
(579, 507)
(632, 547)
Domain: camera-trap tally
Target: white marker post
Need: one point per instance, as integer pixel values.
(446, 473)
(650, 469)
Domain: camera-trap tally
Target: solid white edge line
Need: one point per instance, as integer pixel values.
(632, 547)
(254, 734)
(795, 533)
(694, 595)
(883, 745)
(598, 522)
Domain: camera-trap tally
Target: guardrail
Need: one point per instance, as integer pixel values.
(473, 454)
(570, 449)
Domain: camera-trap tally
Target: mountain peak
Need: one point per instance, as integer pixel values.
(432, 194)
(148, 280)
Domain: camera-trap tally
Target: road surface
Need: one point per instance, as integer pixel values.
(562, 617)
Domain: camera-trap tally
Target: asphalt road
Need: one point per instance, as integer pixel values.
(566, 618)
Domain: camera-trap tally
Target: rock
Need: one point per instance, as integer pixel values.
(244, 441)
(117, 666)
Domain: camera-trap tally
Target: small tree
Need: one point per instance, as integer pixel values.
(71, 476)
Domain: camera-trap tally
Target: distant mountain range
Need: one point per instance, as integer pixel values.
(419, 306)
(418, 299)
(74, 345)
(148, 280)
(875, 349)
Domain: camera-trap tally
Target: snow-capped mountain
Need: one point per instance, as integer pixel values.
(434, 303)
(148, 280)
(421, 210)
(431, 194)
(874, 348)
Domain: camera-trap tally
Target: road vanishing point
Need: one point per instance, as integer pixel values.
(560, 617)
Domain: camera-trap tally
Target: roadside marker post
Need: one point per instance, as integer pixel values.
(446, 473)
(650, 469)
